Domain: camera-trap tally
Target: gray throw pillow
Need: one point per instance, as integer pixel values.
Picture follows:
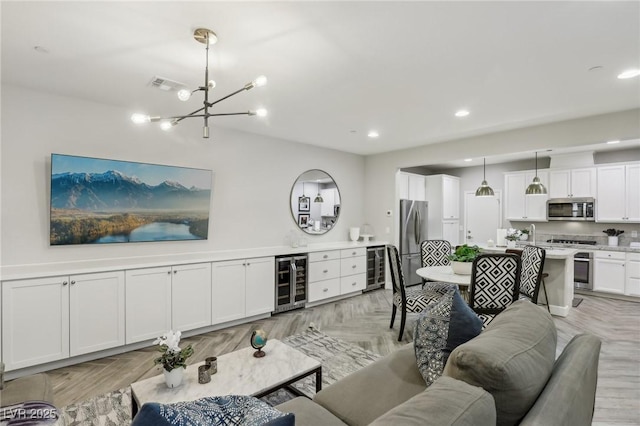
(441, 327)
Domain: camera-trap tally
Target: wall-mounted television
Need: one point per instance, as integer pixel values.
(98, 201)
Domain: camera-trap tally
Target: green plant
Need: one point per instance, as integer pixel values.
(465, 253)
(172, 356)
(612, 232)
(513, 234)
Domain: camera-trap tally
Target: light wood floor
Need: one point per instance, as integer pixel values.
(364, 321)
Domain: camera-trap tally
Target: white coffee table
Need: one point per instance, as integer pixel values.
(239, 373)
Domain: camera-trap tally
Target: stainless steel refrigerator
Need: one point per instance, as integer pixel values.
(413, 230)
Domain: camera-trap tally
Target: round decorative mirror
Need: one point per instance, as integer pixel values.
(315, 202)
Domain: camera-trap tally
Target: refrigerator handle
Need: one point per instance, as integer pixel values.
(416, 228)
(292, 280)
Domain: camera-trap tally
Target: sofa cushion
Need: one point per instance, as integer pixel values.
(512, 359)
(361, 397)
(442, 327)
(308, 413)
(446, 402)
(212, 411)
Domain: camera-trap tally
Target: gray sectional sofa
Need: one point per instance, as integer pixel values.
(507, 375)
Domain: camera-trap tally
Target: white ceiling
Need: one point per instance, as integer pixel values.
(338, 69)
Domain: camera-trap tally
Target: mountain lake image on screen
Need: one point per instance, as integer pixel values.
(98, 201)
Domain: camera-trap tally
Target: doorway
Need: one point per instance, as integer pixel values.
(482, 217)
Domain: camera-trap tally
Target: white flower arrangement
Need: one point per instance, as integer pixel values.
(172, 356)
(513, 234)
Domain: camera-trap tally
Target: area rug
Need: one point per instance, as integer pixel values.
(338, 358)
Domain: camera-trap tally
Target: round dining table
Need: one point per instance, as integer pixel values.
(445, 274)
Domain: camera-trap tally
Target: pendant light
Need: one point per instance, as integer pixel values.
(318, 199)
(536, 187)
(484, 190)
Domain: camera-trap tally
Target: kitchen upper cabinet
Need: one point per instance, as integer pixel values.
(329, 201)
(242, 288)
(148, 303)
(190, 296)
(451, 231)
(618, 198)
(572, 183)
(609, 272)
(411, 186)
(519, 206)
(450, 197)
(35, 321)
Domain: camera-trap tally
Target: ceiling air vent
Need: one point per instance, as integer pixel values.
(165, 84)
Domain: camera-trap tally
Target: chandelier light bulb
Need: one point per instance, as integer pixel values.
(373, 134)
(184, 95)
(462, 113)
(140, 118)
(211, 84)
(261, 112)
(260, 81)
(166, 125)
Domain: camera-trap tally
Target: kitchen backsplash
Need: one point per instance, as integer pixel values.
(581, 231)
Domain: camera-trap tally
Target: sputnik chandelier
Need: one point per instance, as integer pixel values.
(208, 38)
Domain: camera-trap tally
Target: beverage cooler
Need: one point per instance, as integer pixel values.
(375, 268)
(291, 282)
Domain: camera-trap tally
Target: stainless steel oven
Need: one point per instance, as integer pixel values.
(583, 270)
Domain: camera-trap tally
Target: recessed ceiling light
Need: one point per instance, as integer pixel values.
(462, 113)
(612, 142)
(468, 159)
(373, 134)
(629, 74)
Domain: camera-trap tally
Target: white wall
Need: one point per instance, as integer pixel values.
(253, 176)
(380, 169)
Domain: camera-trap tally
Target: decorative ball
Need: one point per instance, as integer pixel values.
(258, 341)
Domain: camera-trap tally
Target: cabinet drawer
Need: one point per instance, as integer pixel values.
(352, 266)
(319, 271)
(319, 256)
(353, 283)
(354, 252)
(618, 255)
(324, 289)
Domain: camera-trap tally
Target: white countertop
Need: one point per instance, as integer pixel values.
(17, 272)
(551, 253)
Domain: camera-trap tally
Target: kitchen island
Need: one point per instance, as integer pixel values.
(559, 265)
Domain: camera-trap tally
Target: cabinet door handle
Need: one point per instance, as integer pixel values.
(325, 256)
(354, 266)
(325, 290)
(325, 271)
(353, 283)
(72, 282)
(175, 272)
(64, 283)
(248, 264)
(354, 253)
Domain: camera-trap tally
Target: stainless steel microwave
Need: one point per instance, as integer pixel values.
(581, 209)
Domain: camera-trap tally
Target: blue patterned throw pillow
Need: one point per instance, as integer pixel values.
(441, 327)
(229, 410)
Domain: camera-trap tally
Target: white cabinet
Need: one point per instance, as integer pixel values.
(190, 296)
(35, 321)
(353, 270)
(167, 298)
(609, 272)
(519, 206)
(632, 268)
(49, 319)
(148, 303)
(451, 231)
(96, 312)
(443, 195)
(618, 197)
(411, 186)
(336, 272)
(572, 183)
(242, 288)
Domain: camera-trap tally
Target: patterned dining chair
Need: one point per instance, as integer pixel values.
(409, 299)
(434, 253)
(495, 283)
(531, 274)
